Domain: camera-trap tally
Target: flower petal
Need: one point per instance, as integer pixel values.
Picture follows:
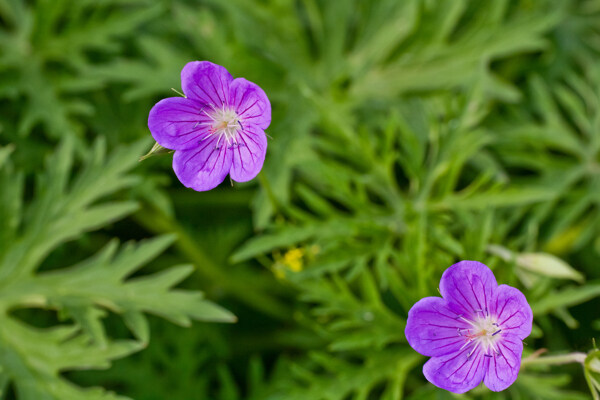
(249, 155)
(250, 102)
(206, 82)
(432, 329)
(177, 123)
(203, 168)
(513, 313)
(468, 287)
(502, 369)
(456, 372)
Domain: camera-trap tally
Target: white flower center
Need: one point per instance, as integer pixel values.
(484, 331)
(225, 123)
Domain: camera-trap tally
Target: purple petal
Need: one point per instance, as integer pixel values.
(432, 329)
(206, 82)
(177, 123)
(468, 287)
(251, 103)
(456, 372)
(502, 369)
(512, 312)
(203, 168)
(249, 155)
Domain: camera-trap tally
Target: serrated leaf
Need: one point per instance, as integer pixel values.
(34, 360)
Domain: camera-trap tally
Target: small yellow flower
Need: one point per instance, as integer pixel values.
(293, 259)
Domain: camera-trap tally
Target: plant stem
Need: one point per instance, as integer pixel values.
(227, 280)
(534, 359)
(262, 179)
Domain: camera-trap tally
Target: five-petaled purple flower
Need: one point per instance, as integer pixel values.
(473, 333)
(217, 129)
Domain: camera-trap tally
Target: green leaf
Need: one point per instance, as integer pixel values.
(33, 360)
(565, 298)
(156, 150)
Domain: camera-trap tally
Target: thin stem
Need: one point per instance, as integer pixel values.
(534, 359)
(262, 179)
(227, 280)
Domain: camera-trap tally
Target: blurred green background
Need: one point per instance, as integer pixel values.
(406, 135)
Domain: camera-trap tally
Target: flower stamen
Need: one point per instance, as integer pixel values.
(485, 333)
(225, 123)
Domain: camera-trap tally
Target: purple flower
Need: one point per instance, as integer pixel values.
(474, 333)
(217, 129)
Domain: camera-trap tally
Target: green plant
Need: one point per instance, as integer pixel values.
(33, 358)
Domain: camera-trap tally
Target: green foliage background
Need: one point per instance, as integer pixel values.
(406, 135)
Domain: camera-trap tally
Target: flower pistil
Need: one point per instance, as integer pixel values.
(225, 124)
(484, 333)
